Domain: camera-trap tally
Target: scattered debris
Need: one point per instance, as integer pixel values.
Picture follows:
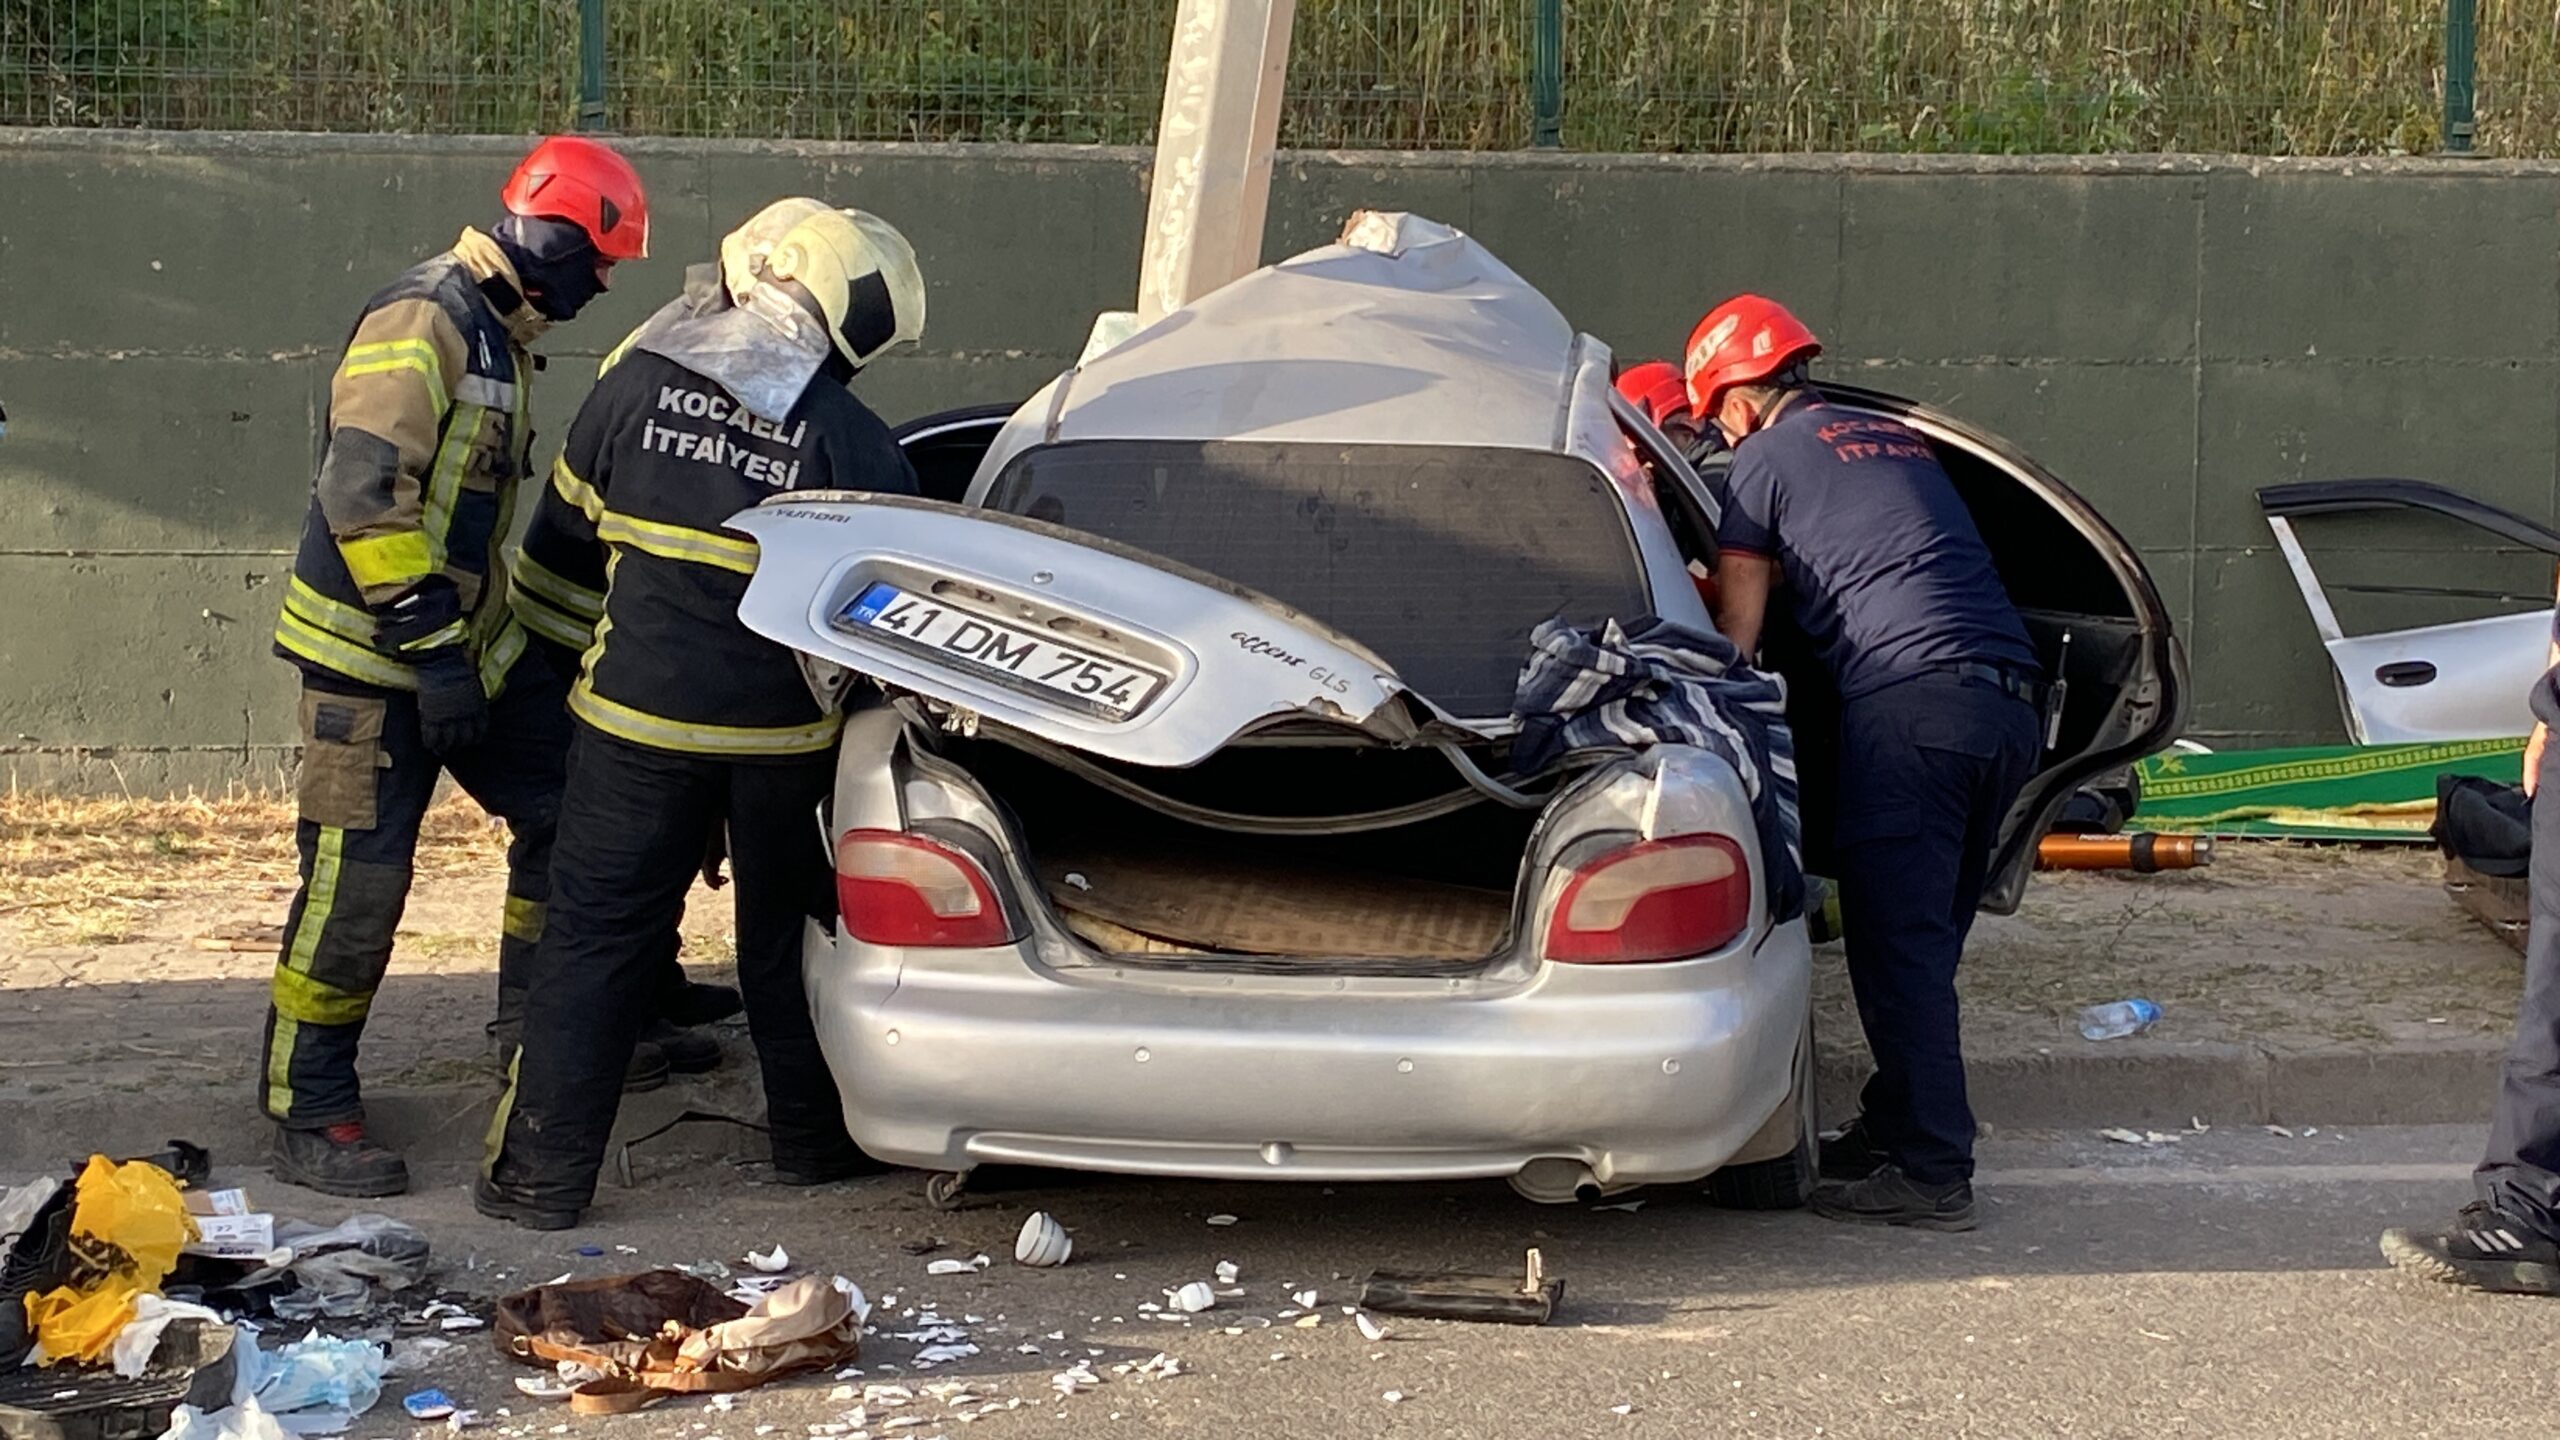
(546, 1387)
(1309, 1322)
(2121, 1136)
(771, 1262)
(1370, 1330)
(1078, 882)
(1195, 1297)
(1622, 1409)
(1629, 1206)
(1228, 1272)
(428, 1405)
(958, 1267)
(1222, 1220)
(2279, 1130)
(1393, 1397)
(1043, 1242)
(1307, 1299)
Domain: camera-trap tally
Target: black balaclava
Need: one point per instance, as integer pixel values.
(555, 260)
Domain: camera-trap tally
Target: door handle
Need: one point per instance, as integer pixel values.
(2401, 674)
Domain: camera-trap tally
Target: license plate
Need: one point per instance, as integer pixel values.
(1011, 654)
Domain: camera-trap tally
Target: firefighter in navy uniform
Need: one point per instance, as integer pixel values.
(686, 720)
(1890, 582)
(396, 614)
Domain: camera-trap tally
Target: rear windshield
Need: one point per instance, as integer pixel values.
(1439, 558)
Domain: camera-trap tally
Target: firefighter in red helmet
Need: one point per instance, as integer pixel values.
(396, 614)
(1850, 517)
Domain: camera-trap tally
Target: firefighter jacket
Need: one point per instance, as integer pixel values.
(626, 557)
(426, 437)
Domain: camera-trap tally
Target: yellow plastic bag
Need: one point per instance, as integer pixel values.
(128, 1224)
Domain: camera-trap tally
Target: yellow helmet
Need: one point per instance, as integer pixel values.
(863, 275)
(743, 251)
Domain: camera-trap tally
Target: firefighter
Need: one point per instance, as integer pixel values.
(412, 664)
(1892, 587)
(1657, 388)
(686, 720)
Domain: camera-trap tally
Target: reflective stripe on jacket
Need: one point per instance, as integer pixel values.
(628, 559)
(427, 432)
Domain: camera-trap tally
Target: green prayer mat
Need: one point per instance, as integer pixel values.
(2319, 792)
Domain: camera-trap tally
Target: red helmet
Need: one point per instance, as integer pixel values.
(1743, 341)
(1655, 387)
(586, 184)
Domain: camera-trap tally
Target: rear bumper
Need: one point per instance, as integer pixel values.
(1594, 1078)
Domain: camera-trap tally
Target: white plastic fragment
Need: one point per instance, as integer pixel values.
(2122, 1136)
(1228, 1272)
(1393, 1397)
(1195, 1297)
(1370, 1330)
(950, 1267)
(771, 1262)
(1222, 1220)
(1043, 1242)
(2279, 1130)
(1307, 1299)
(1622, 1409)
(544, 1387)
(1076, 881)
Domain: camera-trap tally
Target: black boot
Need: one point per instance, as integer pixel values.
(694, 1003)
(1889, 1197)
(687, 1052)
(792, 1166)
(339, 1160)
(496, 1202)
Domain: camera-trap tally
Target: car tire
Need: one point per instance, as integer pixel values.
(1786, 1182)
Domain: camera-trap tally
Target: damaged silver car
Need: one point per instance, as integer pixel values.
(1183, 837)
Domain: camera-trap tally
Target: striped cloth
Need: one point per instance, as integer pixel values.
(1662, 683)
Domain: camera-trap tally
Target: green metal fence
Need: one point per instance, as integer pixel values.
(2251, 76)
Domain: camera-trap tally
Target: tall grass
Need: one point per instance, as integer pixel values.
(2252, 76)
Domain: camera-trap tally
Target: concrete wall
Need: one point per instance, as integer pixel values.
(2166, 334)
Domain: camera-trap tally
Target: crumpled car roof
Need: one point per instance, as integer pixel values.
(1406, 332)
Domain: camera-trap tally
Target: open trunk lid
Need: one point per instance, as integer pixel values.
(1057, 634)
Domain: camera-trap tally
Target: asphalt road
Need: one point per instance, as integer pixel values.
(2226, 1284)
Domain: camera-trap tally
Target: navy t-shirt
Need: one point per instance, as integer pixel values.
(1886, 573)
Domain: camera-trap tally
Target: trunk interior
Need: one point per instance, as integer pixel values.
(1260, 866)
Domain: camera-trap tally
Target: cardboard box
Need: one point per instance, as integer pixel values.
(217, 1202)
(235, 1237)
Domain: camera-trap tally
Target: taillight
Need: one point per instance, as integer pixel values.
(1658, 900)
(897, 888)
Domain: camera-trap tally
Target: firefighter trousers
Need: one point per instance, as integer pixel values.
(633, 825)
(366, 781)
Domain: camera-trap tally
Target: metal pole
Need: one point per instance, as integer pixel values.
(1220, 123)
(1546, 82)
(2460, 40)
(590, 64)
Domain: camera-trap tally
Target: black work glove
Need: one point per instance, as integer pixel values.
(453, 711)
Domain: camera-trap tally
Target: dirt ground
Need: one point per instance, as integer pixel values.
(136, 938)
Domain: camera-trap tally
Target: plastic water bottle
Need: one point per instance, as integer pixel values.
(2114, 1021)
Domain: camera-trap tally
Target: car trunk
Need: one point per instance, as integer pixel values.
(2090, 609)
(1249, 856)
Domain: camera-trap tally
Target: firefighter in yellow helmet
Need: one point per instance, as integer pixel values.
(685, 720)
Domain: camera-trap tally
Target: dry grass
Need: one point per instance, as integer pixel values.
(2246, 76)
(85, 872)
